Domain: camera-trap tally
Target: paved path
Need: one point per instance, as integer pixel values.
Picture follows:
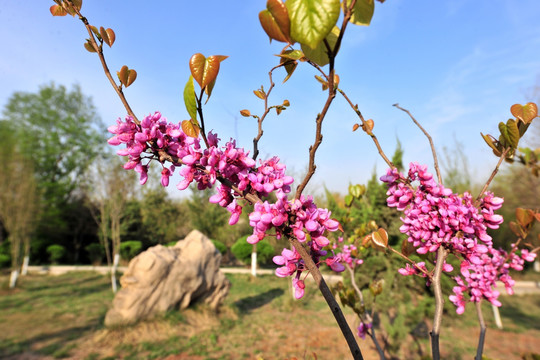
(521, 287)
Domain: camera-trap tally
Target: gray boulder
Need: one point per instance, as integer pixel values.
(165, 278)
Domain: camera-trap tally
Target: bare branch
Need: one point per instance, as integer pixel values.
(435, 161)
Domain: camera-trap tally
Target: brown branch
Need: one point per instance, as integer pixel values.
(266, 112)
(329, 297)
(439, 302)
(435, 161)
(99, 51)
(483, 328)
(331, 95)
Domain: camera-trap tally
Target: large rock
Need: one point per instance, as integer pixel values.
(164, 278)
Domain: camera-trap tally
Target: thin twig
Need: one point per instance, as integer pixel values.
(99, 51)
(266, 111)
(435, 161)
(495, 171)
(369, 318)
(423, 271)
(364, 124)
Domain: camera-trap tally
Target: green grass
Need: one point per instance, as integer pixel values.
(62, 317)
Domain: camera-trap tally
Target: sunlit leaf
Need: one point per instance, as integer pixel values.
(275, 21)
(363, 12)
(491, 141)
(189, 99)
(379, 239)
(107, 35)
(190, 128)
(245, 113)
(525, 113)
(132, 76)
(319, 55)
(89, 47)
(355, 127)
(524, 216)
(368, 126)
(312, 20)
(57, 10)
(322, 81)
(286, 103)
(205, 70)
(291, 54)
(126, 76)
(95, 31)
(260, 94)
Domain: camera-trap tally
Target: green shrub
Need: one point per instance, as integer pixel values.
(130, 249)
(5, 260)
(56, 253)
(222, 248)
(242, 251)
(95, 253)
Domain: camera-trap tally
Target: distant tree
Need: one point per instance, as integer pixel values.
(19, 203)
(163, 220)
(61, 131)
(111, 187)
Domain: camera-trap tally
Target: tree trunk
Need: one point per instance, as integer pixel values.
(113, 272)
(26, 261)
(13, 278)
(254, 260)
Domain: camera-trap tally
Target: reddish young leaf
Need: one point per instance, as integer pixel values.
(132, 75)
(355, 127)
(126, 76)
(107, 35)
(525, 113)
(379, 239)
(205, 70)
(275, 21)
(524, 216)
(190, 129)
(245, 113)
(368, 126)
(57, 10)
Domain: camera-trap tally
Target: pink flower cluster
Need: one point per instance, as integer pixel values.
(300, 218)
(345, 253)
(434, 216)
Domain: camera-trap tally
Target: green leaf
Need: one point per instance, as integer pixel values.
(291, 54)
(348, 200)
(319, 55)
(363, 12)
(189, 99)
(275, 21)
(312, 20)
(513, 133)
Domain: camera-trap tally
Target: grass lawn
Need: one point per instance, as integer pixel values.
(49, 317)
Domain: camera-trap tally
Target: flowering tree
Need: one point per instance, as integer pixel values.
(436, 221)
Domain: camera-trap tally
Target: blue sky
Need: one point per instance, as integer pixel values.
(456, 65)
